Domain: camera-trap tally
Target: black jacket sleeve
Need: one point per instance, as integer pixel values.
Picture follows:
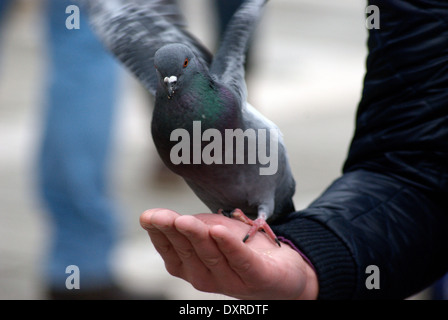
(390, 207)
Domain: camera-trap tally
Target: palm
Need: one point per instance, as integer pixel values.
(207, 250)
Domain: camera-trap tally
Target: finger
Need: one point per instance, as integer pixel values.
(192, 267)
(145, 218)
(197, 232)
(241, 258)
(161, 243)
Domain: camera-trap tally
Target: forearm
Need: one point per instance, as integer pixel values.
(329, 256)
(363, 219)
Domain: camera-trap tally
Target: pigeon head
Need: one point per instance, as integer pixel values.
(174, 63)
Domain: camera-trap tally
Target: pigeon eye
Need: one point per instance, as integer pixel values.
(185, 63)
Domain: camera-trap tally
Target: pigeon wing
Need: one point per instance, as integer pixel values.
(133, 30)
(228, 63)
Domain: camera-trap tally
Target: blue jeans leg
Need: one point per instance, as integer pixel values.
(3, 7)
(75, 150)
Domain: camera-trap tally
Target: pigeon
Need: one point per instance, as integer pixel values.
(200, 101)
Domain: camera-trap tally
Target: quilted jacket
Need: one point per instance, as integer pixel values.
(389, 208)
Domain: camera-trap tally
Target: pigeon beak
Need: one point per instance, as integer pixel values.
(170, 83)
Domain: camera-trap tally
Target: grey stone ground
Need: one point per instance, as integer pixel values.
(307, 74)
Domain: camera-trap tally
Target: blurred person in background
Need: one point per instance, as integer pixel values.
(74, 157)
(73, 162)
(81, 95)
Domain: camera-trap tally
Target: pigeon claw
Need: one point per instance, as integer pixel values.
(261, 225)
(258, 224)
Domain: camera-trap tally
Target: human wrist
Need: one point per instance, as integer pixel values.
(311, 286)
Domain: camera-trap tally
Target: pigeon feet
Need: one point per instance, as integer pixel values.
(258, 224)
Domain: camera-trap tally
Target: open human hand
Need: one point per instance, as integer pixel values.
(207, 250)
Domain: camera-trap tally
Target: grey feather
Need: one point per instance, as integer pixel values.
(137, 31)
(133, 30)
(228, 63)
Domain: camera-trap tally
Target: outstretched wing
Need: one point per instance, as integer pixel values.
(133, 30)
(228, 63)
